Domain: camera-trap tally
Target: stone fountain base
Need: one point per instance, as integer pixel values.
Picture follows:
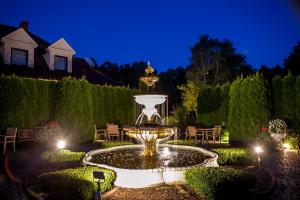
(139, 178)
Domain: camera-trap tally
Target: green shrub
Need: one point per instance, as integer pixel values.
(109, 144)
(292, 140)
(234, 156)
(63, 156)
(225, 136)
(183, 142)
(220, 183)
(75, 183)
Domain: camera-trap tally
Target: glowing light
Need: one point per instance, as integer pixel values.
(258, 149)
(286, 146)
(61, 144)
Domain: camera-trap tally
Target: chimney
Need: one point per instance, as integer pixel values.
(24, 25)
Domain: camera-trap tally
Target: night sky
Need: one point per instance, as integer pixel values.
(161, 31)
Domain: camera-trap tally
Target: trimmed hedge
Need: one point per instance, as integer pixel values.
(183, 142)
(109, 144)
(220, 183)
(234, 156)
(63, 156)
(76, 104)
(75, 183)
(213, 105)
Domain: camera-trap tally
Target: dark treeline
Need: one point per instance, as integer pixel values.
(213, 61)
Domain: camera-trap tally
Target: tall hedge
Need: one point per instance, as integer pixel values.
(249, 107)
(74, 109)
(76, 104)
(213, 105)
(297, 102)
(277, 97)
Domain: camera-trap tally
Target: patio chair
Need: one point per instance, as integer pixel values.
(25, 135)
(10, 137)
(112, 131)
(214, 133)
(191, 131)
(99, 134)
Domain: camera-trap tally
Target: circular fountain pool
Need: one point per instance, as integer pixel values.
(135, 171)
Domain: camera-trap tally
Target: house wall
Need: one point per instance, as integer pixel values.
(19, 40)
(52, 52)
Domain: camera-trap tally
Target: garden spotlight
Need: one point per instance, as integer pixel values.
(258, 150)
(61, 144)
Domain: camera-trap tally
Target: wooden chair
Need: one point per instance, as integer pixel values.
(112, 131)
(99, 134)
(214, 133)
(191, 131)
(25, 135)
(10, 137)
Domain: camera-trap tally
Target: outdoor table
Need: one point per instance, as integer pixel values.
(206, 132)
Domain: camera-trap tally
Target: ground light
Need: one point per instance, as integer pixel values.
(258, 151)
(286, 146)
(97, 177)
(61, 144)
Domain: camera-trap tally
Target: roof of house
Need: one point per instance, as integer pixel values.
(41, 70)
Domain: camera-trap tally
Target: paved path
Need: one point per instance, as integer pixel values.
(285, 165)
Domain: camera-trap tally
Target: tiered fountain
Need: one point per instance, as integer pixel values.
(149, 163)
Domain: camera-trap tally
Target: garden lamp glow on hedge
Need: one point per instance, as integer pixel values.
(97, 177)
(258, 150)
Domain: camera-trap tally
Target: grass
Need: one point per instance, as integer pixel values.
(63, 156)
(75, 183)
(234, 156)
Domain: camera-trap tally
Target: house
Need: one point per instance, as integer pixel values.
(25, 54)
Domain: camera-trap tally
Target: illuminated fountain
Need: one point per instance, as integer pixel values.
(148, 126)
(150, 164)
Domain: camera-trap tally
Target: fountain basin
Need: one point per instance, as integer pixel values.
(139, 178)
(150, 100)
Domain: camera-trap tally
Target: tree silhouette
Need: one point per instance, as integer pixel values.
(292, 62)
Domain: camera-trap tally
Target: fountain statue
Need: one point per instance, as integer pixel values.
(149, 126)
(150, 164)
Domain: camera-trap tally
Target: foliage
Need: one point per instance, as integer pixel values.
(225, 136)
(235, 156)
(292, 62)
(76, 104)
(288, 98)
(213, 105)
(215, 61)
(292, 139)
(63, 156)
(76, 183)
(277, 126)
(179, 117)
(109, 144)
(190, 93)
(220, 183)
(24, 101)
(183, 142)
(42, 136)
(249, 107)
(74, 109)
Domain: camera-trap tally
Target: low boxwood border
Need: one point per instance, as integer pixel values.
(220, 183)
(75, 183)
(234, 156)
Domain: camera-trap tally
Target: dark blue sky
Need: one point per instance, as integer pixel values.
(161, 31)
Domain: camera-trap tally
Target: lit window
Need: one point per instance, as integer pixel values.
(19, 57)
(60, 63)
